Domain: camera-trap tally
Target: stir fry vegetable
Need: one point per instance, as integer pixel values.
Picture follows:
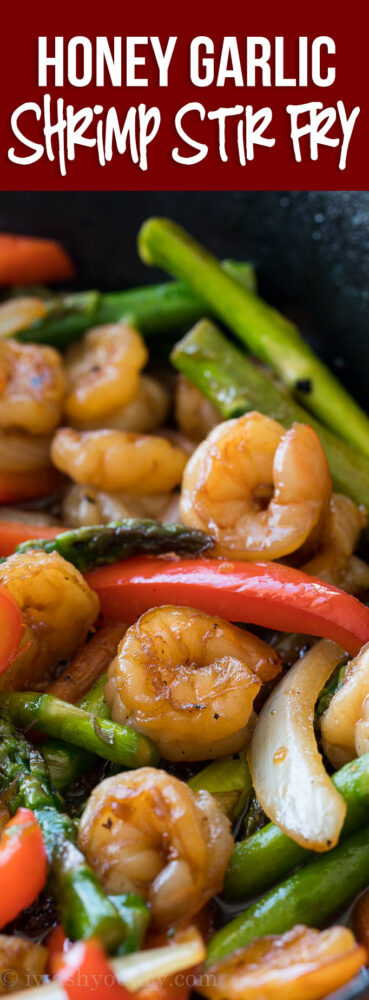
(269, 855)
(58, 718)
(61, 319)
(101, 545)
(29, 261)
(24, 781)
(236, 385)
(23, 864)
(271, 337)
(267, 594)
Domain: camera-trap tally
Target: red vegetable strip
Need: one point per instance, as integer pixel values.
(23, 865)
(28, 260)
(85, 969)
(11, 627)
(266, 594)
(18, 486)
(12, 533)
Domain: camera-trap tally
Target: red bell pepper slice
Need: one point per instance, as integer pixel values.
(85, 969)
(23, 865)
(29, 260)
(267, 594)
(13, 533)
(11, 627)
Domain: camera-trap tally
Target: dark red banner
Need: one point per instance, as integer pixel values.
(187, 96)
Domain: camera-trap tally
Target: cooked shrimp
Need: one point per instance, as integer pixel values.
(58, 608)
(258, 489)
(145, 412)
(23, 452)
(339, 538)
(302, 963)
(345, 723)
(103, 370)
(83, 505)
(22, 963)
(145, 831)
(195, 415)
(18, 313)
(188, 681)
(32, 387)
(118, 460)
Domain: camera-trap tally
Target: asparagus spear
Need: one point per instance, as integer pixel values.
(24, 781)
(109, 740)
(66, 762)
(269, 855)
(136, 915)
(311, 896)
(228, 780)
(152, 309)
(236, 385)
(100, 545)
(266, 333)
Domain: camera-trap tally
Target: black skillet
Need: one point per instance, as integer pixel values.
(311, 250)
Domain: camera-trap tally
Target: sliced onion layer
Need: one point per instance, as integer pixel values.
(289, 778)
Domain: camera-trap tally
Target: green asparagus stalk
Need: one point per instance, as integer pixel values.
(65, 762)
(266, 333)
(269, 855)
(311, 896)
(228, 780)
(152, 309)
(100, 545)
(55, 717)
(84, 908)
(237, 385)
(136, 915)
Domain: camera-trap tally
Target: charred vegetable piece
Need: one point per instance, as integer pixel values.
(152, 309)
(312, 895)
(100, 545)
(269, 855)
(236, 385)
(24, 782)
(117, 743)
(268, 334)
(228, 781)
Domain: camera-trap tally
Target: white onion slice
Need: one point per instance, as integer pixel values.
(287, 770)
(18, 313)
(139, 968)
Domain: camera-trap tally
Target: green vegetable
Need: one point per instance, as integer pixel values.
(266, 333)
(135, 913)
(311, 896)
(55, 717)
(228, 780)
(152, 309)
(269, 855)
(24, 781)
(65, 762)
(236, 385)
(100, 545)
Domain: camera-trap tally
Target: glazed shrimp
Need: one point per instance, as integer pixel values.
(23, 452)
(103, 370)
(188, 681)
(83, 505)
(334, 562)
(58, 608)
(118, 461)
(258, 489)
(145, 412)
(32, 387)
(195, 415)
(146, 831)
